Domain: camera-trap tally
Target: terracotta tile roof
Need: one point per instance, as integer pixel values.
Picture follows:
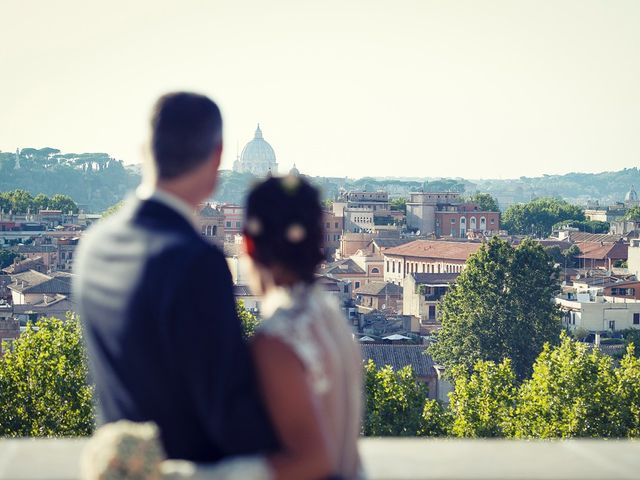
(602, 251)
(435, 249)
(399, 356)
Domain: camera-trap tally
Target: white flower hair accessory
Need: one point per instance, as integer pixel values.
(295, 233)
(254, 227)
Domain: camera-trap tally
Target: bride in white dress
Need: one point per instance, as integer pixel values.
(309, 367)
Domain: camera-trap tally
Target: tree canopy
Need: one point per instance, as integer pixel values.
(501, 307)
(538, 217)
(588, 226)
(574, 392)
(633, 214)
(485, 201)
(7, 257)
(20, 202)
(43, 382)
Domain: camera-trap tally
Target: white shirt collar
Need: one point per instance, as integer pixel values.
(170, 200)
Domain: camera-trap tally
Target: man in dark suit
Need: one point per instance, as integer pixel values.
(164, 341)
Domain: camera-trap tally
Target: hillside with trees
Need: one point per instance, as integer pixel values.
(96, 181)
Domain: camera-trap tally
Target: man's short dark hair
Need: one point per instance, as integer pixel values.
(186, 128)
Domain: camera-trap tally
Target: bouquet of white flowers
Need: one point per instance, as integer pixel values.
(123, 451)
(131, 451)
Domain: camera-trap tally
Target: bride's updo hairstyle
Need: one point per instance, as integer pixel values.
(283, 225)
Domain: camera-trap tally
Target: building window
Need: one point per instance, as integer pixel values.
(432, 312)
(612, 325)
(228, 224)
(238, 224)
(636, 318)
(328, 225)
(393, 267)
(336, 224)
(388, 266)
(493, 220)
(453, 220)
(375, 270)
(357, 284)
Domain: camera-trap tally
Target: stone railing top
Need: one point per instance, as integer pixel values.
(394, 458)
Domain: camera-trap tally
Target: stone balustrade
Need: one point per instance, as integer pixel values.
(395, 458)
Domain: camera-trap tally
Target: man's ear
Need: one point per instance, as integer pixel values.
(217, 153)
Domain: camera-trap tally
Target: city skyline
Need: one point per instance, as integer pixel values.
(490, 89)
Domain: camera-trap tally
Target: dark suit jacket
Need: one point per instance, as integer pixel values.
(163, 336)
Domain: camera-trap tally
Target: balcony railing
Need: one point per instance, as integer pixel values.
(395, 458)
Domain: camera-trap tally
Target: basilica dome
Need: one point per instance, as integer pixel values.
(257, 157)
(294, 171)
(631, 196)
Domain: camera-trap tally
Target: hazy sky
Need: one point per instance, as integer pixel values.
(473, 88)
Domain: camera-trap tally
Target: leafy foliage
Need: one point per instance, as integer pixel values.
(7, 257)
(94, 180)
(633, 214)
(395, 402)
(539, 216)
(570, 394)
(564, 258)
(485, 201)
(588, 226)
(399, 204)
(501, 307)
(43, 382)
(248, 320)
(482, 403)
(20, 202)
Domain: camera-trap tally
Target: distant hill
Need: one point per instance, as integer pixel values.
(97, 181)
(94, 180)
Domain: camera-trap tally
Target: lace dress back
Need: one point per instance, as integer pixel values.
(310, 322)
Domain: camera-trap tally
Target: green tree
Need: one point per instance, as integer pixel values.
(571, 393)
(64, 203)
(482, 403)
(588, 226)
(399, 204)
(436, 420)
(21, 201)
(43, 382)
(485, 201)
(539, 216)
(564, 258)
(40, 202)
(395, 402)
(501, 307)
(627, 392)
(248, 320)
(633, 214)
(7, 257)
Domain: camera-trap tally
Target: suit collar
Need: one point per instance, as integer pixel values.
(152, 213)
